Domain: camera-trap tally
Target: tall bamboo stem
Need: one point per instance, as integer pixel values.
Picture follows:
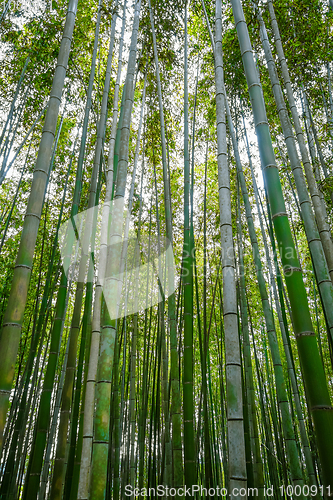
(236, 443)
(312, 368)
(13, 318)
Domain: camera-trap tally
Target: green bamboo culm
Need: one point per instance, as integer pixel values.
(31, 486)
(101, 435)
(189, 447)
(75, 439)
(312, 233)
(203, 338)
(175, 407)
(311, 364)
(236, 442)
(70, 486)
(13, 318)
(88, 233)
(250, 393)
(88, 406)
(315, 193)
(291, 449)
(37, 337)
(279, 304)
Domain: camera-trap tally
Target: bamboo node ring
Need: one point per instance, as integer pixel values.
(279, 214)
(322, 407)
(23, 265)
(305, 334)
(255, 84)
(263, 122)
(29, 214)
(291, 269)
(40, 170)
(247, 50)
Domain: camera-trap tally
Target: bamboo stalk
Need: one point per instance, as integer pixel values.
(110, 290)
(175, 409)
(188, 407)
(323, 227)
(313, 372)
(236, 444)
(12, 323)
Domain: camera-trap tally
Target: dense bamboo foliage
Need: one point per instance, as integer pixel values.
(166, 256)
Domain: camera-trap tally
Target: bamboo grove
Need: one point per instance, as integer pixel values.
(166, 256)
